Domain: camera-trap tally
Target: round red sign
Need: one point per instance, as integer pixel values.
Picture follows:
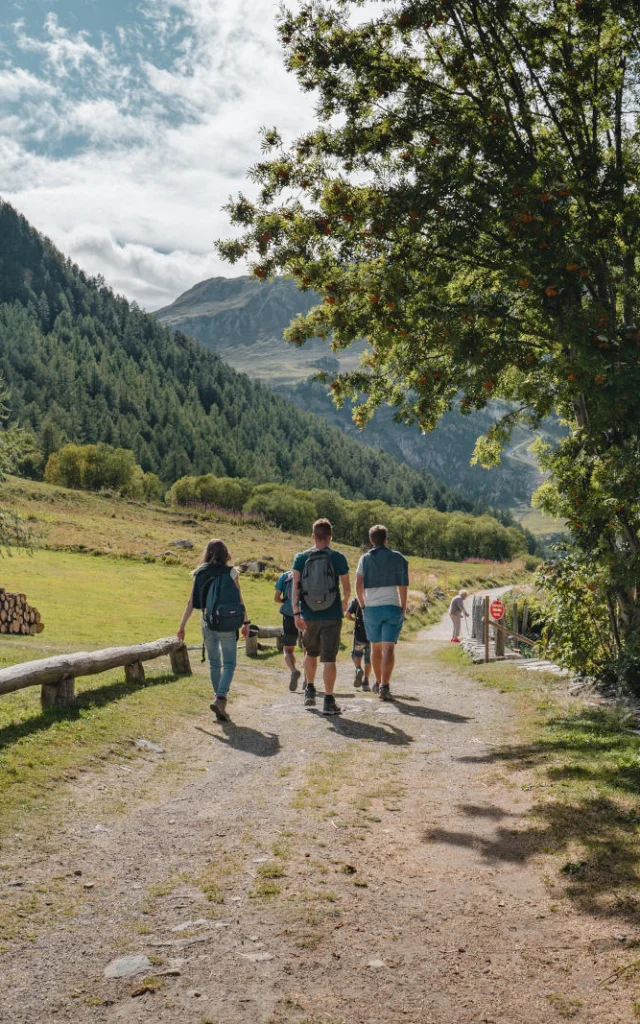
(497, 610)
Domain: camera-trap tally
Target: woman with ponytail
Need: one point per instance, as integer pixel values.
(218, 632)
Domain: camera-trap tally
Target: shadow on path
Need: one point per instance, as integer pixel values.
(249, 741)
(354, 729)
(432, 713)
(593, 821)
(85, 701)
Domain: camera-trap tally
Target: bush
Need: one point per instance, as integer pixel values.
(287, 508)
(577, 631)
(97, 467)
(209, 490)
(416, 531)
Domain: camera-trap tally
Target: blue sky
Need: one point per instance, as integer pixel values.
(125, 125)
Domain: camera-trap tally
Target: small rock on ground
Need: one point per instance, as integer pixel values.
(127, 967)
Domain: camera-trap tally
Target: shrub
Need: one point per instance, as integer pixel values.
(96, 467)
(222, 492)
(578, 631)
(416, 531)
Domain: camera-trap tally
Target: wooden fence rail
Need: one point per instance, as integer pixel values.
(56, 675)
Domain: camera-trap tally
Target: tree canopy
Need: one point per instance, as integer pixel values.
(468, 202)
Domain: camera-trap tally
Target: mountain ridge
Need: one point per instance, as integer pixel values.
(243, 319)
(85, 365)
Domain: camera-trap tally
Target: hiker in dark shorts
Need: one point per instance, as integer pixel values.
(382, 584)
(221, 644)
(361, 649)
(282, 596)
(319, 610)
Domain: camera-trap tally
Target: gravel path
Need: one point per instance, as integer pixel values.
(291, 869)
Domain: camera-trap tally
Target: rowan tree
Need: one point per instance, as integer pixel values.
(468, 202)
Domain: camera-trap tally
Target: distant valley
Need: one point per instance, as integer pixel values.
(243, 320)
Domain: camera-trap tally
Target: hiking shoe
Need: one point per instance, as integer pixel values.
(329, 706)
(365, 686)
(455, 640)
(384, 692)
(293, 682)
(310, 697)
(219, 708)
(375, 687)
(357, 682)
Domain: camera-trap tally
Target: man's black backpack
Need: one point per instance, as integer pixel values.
(318, 581)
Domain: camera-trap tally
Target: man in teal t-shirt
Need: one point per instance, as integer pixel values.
(321, 628)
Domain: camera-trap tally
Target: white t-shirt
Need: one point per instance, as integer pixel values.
(376, 596)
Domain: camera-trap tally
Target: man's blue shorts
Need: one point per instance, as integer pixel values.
(383, 623)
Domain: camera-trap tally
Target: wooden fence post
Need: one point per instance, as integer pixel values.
(525, 618)
(180, 664)
(58, 695)
(251, 646)
(515, 622)
(134, 673)
(486, 628)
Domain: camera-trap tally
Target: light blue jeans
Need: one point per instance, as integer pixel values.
(222, 651)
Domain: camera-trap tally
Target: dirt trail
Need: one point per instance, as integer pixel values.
(373, 869)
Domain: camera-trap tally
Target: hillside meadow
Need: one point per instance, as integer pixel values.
(101, 575)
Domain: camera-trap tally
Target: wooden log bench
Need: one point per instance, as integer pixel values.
(262, 633)
(56, 675)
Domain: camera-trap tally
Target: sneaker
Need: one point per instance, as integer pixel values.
(357, 682)
(384, 692)
(455, 640)
(375, 687)
(219, 708)
(365, 686)
(293, 682)
(329, 706)
(310, 697)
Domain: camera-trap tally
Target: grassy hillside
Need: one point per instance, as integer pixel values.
(84, 365)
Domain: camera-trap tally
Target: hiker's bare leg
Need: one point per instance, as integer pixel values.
(376, 661)
(289, 658)
(310, 669)
(329, 672)
(388, 652)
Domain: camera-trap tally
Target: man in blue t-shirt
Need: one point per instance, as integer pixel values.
(282, 596)
(382, 584)
(321, 625)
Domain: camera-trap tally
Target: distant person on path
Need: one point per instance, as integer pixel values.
(361, 649)
(382, 584)
(319, 610)
(216, 593)
(282, 596)
(456, 611)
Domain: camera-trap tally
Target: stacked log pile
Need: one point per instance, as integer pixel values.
(17, 615)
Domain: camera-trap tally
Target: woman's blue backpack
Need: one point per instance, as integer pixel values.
(224, 610)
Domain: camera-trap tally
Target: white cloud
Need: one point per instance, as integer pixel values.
(16, 84)
(125, 164)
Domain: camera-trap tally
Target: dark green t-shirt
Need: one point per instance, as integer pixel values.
(341, 568)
